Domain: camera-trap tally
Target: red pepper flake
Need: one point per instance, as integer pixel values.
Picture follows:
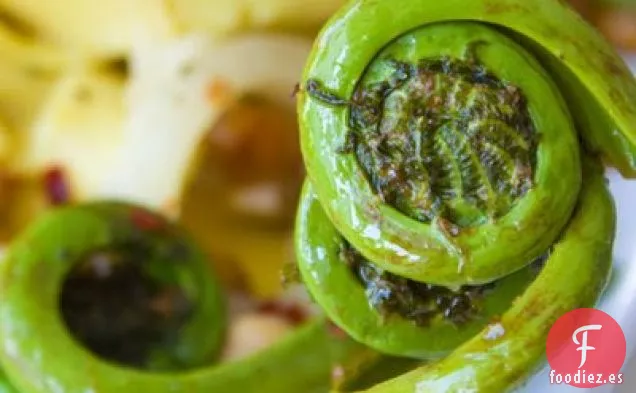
(292, 313)
(218, 91)
(56, 186)
(145, 220)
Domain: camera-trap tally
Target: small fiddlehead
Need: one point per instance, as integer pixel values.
(106, 296)
(451, 152)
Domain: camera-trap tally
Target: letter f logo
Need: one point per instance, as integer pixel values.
(583, 344)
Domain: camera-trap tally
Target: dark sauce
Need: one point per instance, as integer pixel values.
(392, 295)
(112, 306)
(317, 90)
(418, 302)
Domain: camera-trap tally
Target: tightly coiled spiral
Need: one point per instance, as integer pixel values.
(455, 207)
(109, 297)
(455, 203)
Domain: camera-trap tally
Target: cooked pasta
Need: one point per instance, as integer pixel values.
(177, 93)
(234, 16)
(63, 110)
(79, 127)
(93, 27)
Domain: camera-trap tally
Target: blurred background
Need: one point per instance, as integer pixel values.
(616, 19)
(185, 106)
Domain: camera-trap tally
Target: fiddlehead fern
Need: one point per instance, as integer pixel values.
(448, 195)
(450, 152)
(78, 267)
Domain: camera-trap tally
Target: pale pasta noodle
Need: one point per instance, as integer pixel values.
(29, 71)
(169, 104)
(5, 143)
(232, 16)
(95, 27)
(78, 128)
(30, 52)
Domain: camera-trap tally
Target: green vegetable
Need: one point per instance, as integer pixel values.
(452, 151)
(488, 363)
(453, 157)
(344, 299)
(471, 351)
(40, 353)
(5, 386)
(496, 246)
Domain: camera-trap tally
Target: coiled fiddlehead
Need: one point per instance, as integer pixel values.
(79, 271)
(454, 204)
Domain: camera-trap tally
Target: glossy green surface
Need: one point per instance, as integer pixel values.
(485, 364)
(38, 261)
(573, 52)
(335, 288)
(581, 99)
(422, 251)
(39, 354)
(598, 89)
(5, 385)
